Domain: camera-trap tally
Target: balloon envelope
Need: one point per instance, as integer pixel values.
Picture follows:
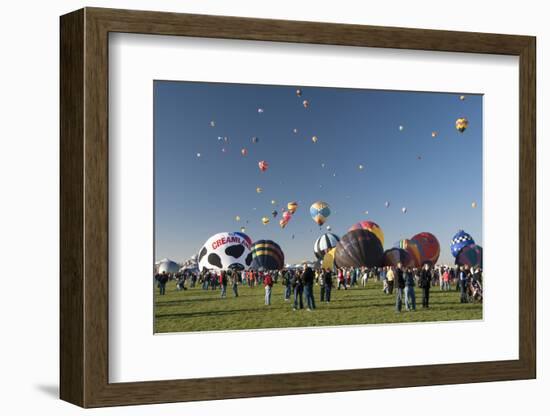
(398, 255)
(263, 165)
(325, 243)
(471, 255)
(460, 240)
(429, 247)
(328, 259)
(359, 248)
(292, 207)
(319, 212)
(168, 266)
(225, 251)
(461, 124)
(369, 226)
(267, 255)
(411, 247)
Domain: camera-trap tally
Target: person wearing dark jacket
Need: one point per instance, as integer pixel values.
(327, 278)
(410, 297)
(162, 279)
(298, 287)
(309, 279)
(400, 285)
(425, 284)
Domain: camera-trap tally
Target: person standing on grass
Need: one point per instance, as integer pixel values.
(268, 285)
(321, 283)
(309, 279)
(400, 287)
(425, 284)
(287, 281)
(446, 279)
(390, 276)
(327, 280)
(223, 283)
(341, 279)
(298, 287)
(463, 284)
(410, 297)
(234, 283)
(162, 279)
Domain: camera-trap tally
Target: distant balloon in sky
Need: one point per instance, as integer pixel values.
(223, 149)
(299, 92)
(329, 228)
(225, 139)
(212, 123)
(361, 167)
(387, 204)
(243, 229)
(273, 202)
(255, 139)
(274, 213)
(244, 152)
(334, 174)
(292, 207)
(322, 165)
(461, 124)
(419, 157)
(314, 139)
(401, 128)
(220, 138)
(259, 190)
(474, 204)
(366, 213)
(295, 131)
(434, 134)
(237, 218)
(305, 103)
(283, 223)
(462, 98)
(198, 155)
(263, 165)
(265, 220)
(404, 210)
(260, 110)
(287, 216)
(319, 211)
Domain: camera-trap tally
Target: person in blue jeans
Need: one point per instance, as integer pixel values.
(410, 297)
(463, 284)
(327, 277)
(400, 286)
(309, 278)
(298, 286)
(288, 285)
(223, 283)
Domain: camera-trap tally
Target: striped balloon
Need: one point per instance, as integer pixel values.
(429, 247)
(359, 248)
(411, 247)
(319, 212)
(369, 226)
(393, 256)
(267, 255)
(324, 243)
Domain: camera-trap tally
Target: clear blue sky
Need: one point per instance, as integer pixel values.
(196, 197)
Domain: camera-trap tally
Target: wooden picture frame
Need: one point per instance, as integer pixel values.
(84, 207)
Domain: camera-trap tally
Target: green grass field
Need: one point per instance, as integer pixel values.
(199, 310)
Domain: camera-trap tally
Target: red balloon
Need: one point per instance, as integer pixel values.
(428, 246)
(263, 165)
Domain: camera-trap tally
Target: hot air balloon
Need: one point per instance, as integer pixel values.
(237, 218)
(223, 149)
(328, 259)
(299, 92)
(243, 229)
(329, 228)
(369, 226)
(404, 210)
(265, 220)
(259, 190)
(387, 204)
(393, 256)
(325, 243)
(428, 246)
(366, 213)
(255, 139)
(295, 131)
(267, 255)
(212, 123)
(401, 128)
(359, 248)
(322, 165)
(168, 266)
(305, 103)
(292, 207)
(314, 139)
(283, 223)
(274, 213)
(273, 202)
(226, 251)
(319, 212)
(461, 124)
(260, 110)
(462, 98)
(474, 204)
(361, 167)
(198, 155)
(244, 152)
(460, 240)
(220, 138)
(471, 255)
(411, 247)
(287, 216)
(434, 134)
(263, 165)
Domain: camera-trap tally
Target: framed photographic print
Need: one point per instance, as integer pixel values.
(255, 207)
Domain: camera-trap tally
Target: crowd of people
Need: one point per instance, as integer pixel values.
(301, 283)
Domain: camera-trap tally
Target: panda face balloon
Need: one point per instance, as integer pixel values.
(225, 251)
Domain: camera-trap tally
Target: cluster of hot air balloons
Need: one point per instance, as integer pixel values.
(420, 249)
(465, 251)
